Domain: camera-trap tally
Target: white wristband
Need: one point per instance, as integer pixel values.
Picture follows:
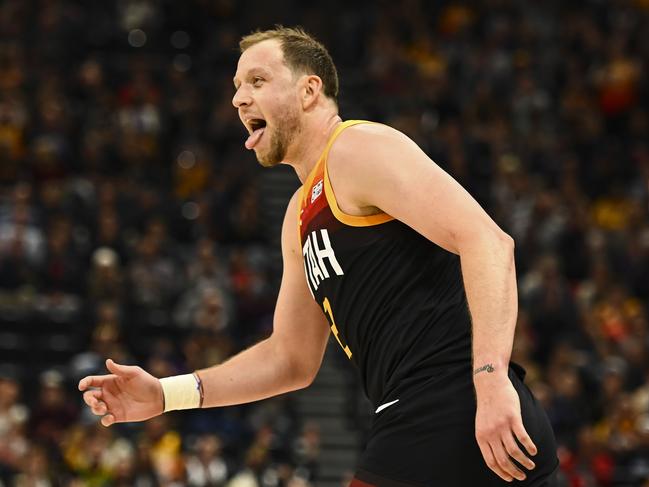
(181, 392)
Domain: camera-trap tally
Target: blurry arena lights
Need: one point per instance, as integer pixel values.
(190, 210)
(105, 257)
(186, 159)
(180, 39)
(137, 38)
(182, 63)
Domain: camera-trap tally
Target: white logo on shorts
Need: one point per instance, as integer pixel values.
(386, 405)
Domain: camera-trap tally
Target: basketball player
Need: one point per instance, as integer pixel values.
(387, 252)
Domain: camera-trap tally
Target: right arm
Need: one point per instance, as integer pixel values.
(288, 360)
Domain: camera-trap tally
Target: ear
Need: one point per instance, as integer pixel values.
(311, 90)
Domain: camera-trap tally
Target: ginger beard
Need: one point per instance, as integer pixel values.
(286, 127)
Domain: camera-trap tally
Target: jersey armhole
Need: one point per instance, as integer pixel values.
(351, 220)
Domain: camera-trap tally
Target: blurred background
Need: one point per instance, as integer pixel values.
(134, 224)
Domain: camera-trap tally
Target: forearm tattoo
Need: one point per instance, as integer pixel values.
(489, 368)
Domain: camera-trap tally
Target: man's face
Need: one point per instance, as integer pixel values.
(267, 100)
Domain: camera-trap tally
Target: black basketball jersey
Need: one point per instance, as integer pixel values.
(395, 300)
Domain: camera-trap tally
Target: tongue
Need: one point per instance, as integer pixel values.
(254, 138)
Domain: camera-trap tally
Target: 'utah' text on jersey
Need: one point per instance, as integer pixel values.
(319, 259)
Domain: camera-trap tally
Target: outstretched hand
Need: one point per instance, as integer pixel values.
(499, 426)
(129, 393)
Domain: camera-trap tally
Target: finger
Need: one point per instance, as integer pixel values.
(516, 453)
(121, 370)
(91, 397)
(505, 462)
(97, 405)
(99, 409)
(94, 381)
(491, 462)
(524, 438)
(108, 420)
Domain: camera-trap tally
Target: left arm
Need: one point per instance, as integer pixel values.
(396, 176)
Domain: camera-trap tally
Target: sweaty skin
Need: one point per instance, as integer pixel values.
(372, 168)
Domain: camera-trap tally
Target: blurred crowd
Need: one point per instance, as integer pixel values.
(132, 222)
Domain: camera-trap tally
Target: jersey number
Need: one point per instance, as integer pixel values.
(334, 329)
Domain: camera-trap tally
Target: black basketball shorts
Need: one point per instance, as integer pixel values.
(427, 437)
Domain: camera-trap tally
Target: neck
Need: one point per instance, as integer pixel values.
(312, 142)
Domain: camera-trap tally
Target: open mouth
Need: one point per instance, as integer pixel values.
(256, 127)
(256, 123)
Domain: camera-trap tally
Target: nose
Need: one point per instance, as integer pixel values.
(241, 98)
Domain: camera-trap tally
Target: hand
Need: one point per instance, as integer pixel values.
(498, 424)
(129, 393)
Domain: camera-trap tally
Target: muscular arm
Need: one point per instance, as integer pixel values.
(290, 358)
(394, 175)
(401, 180)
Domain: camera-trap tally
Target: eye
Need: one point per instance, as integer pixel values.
(257, 81)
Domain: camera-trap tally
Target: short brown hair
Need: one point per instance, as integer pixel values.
(302, 52)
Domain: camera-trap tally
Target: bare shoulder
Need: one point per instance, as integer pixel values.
(363, 159)
(365, 139)
(367, 149)
(378, 167)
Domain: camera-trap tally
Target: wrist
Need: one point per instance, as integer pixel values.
(489, 371)
(181, 392)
